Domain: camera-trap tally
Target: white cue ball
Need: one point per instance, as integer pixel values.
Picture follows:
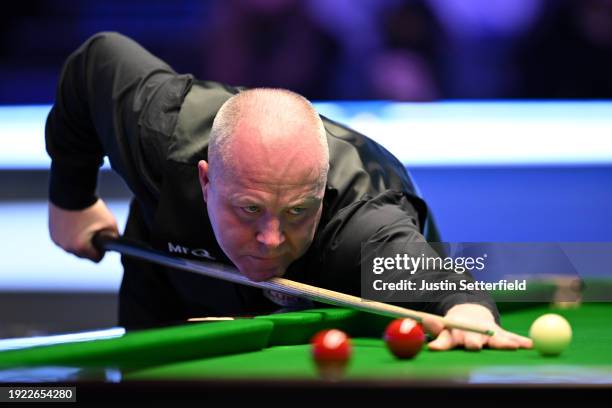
(551, 334)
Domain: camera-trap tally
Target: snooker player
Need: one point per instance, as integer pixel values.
(254, 178)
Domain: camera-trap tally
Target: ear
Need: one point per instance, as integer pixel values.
(204, 179)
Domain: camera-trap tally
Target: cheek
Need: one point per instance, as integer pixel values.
(219, 220)
(214, 218)
(304, 234)
(230, 232)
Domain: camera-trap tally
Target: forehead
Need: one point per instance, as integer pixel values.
(281, 157)
(264, 179)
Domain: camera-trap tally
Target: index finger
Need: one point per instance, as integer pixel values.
(433, 325)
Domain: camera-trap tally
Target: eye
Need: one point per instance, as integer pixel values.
(250, 209)
(297, 210)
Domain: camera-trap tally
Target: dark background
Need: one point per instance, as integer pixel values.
(410, 50)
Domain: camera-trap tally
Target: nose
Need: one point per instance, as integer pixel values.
(270, 232)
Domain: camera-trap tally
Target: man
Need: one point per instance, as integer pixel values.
(251, 178)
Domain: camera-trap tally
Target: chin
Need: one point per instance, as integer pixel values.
(262, 275)
(259, 276)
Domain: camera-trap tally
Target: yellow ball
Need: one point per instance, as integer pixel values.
(551, 334)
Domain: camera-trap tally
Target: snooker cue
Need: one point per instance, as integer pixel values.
(105, 241)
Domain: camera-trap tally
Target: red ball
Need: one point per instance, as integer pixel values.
(404, 338)
(331, 346)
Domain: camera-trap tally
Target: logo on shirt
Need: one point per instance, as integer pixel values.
(199, 252)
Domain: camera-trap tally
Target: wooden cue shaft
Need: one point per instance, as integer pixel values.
(103, 241)
(341, 299)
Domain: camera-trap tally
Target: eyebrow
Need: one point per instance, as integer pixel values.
(298, 201)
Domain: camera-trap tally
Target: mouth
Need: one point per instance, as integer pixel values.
(265, 263)
(263, 268)
(265, 258)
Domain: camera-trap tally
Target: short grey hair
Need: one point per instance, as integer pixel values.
(268, 103)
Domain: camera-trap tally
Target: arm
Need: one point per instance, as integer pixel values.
(113, 99)
(391, 218)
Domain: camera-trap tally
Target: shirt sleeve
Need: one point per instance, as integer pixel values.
(389, 218)
(113, 99)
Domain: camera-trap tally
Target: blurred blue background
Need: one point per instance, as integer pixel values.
(501, 112)
(342, 49)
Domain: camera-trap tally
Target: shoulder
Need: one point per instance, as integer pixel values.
(390, 215)
(112, 45)
(360, 166)
(198, 108)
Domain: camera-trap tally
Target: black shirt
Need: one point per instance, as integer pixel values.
(115, 99)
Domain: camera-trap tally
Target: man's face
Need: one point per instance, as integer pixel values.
(265, 211)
